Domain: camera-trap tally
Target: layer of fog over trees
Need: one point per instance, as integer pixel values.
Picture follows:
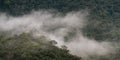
(65, 30)
(59, 29)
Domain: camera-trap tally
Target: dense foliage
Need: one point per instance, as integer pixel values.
(26, 47)
(104, 21)
(104, 14)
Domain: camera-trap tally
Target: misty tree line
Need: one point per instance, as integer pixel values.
(26, 47)
(104, 18)
(104, 14)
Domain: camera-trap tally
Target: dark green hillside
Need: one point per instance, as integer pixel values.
(26, 47)
(104, 25)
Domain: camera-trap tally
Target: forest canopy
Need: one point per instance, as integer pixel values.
(103, 25)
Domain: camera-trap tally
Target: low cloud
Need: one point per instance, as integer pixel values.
(66, 30)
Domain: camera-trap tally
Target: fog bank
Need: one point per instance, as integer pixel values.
(66, 30)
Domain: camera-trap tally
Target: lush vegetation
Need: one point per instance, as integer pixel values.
(104, 14)
(26, 47)
(104, 24)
